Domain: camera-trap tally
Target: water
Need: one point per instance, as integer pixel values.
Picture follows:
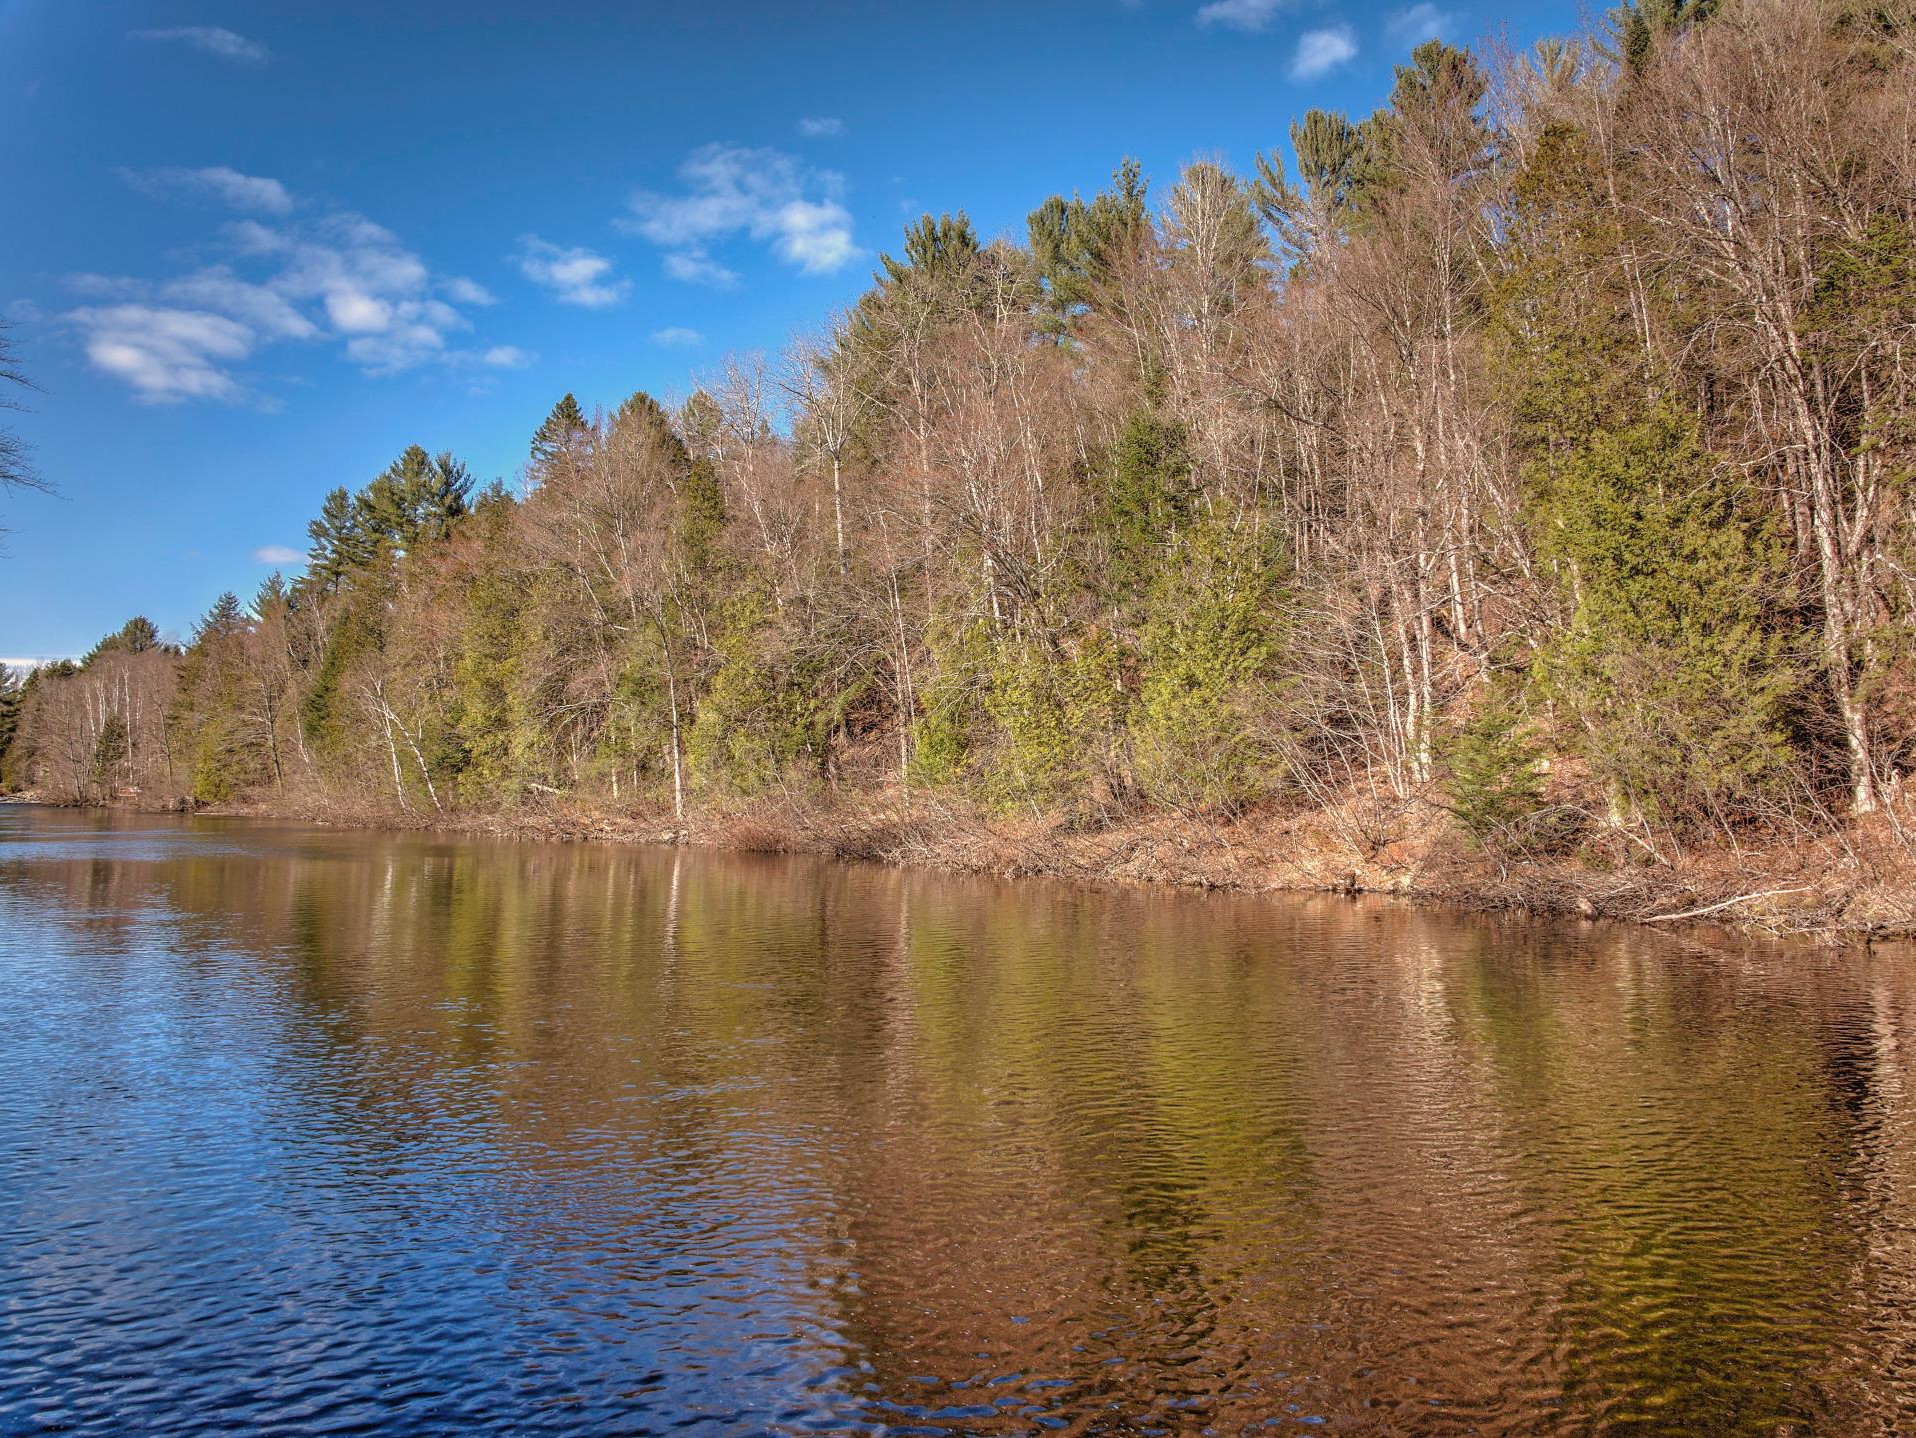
(311, 1131)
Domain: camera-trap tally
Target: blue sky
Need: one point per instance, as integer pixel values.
(255, 250)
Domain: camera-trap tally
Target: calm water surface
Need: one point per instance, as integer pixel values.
(325, 1132)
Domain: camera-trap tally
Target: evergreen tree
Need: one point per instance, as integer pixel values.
(416, 500)
(1330, 163)
(1671, 666)
(110, 753)
(339, 545)
(557, 433)
(1207, 723)
(136, 636)
(1074, 245)
(1491, 772)
(944, 250)
(1144, 501)
(12, 692)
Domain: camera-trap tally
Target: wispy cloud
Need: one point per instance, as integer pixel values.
(165, 354)
(821, 127)
(1319, 51)
(677, 335)
(215, 182)
(462, 291)
(1419, 23)
(1251, 15)
(766, 195)
(211, 40)
(506, 357)
(695, 267)
(277, 554)
(576, 276)
(332, 276)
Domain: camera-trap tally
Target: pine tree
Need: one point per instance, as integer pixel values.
(1075, 246)
(1144, 501)
(226, 618)
(12, 691)
(1672, 665)
(944, 249)
(339, 544)
(1330, 161)
(136, 636)
(1491, 772)
(418, 499)
(559, 431)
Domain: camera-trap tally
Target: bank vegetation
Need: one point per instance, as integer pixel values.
(1510, 493)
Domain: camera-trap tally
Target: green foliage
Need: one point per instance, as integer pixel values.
(1330, 163)
(1207, 712)
(224, 620)
(338, 547)
(12, 695)
(1144, 500)
(1492, 772)
(1565, 347)
(943, 250)
(355, 633)
(223, 765)
(951, 710)
(1638, 26)
(136, 636)
(765, 708)
(110, 752)
(418, 499)
(1059, 712)
(1678, 682)
(223, 752)
(1076, 246)
(557, 432)
(488, 713)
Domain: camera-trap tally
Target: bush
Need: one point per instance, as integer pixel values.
(1205, 725)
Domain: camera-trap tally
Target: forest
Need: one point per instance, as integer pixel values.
(1525, 472)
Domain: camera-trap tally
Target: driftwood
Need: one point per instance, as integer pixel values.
(1726, 904)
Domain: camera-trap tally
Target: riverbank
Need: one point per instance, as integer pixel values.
(1854, 885)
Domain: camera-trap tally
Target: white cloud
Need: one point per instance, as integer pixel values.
(462, 291)
(228, 186)
(218, 288)
(1418, 24)
(821, 127)
(695, 267)
(506, 357)
(212, 40)
(677, 335)
(576, 276)
(1251, 15)
(336, 276)
(1322, 50)
(355, 312)
(277, 554)
(167, 355)
(767, 195)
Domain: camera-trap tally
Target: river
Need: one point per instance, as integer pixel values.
(313, 1131)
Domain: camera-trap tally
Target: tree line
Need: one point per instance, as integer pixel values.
(1539, 447)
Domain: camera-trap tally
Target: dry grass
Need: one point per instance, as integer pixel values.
(1858, 884)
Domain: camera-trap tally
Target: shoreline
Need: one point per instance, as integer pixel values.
(1819, 891)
